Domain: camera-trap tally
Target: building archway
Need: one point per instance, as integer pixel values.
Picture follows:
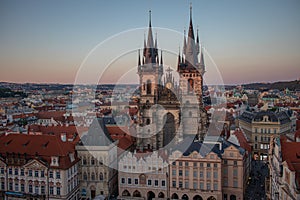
(197, 197)
(169, 131)
(136, 194)
(161, 195)
(93, 191)
(174, 196)
(126, 193)
(150, 195)
(185, 197)
(232, 197)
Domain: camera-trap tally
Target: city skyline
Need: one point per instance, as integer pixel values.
(249, 41)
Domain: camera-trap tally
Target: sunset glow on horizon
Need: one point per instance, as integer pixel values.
(48, 41)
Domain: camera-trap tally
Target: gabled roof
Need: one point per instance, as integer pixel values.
(97, 134)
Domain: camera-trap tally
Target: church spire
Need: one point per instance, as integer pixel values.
(202, 65)
(191, 29)
(179, 60)
(150, 36)
(191, 51)
(184, 43)
(139, 60)
(197, 42)
(161, 58)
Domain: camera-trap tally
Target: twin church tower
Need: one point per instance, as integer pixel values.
(170, 112)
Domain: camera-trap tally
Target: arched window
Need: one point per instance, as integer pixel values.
(190, 85)
(136, 194)
(142, 179)
(148, 87)
(147, 121)
(125, 193)
(101, 176)
(84, 161)
(92, 161)
(93, 176)
(84, 176)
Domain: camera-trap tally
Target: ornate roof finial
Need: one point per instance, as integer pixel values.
(191, 11)
(149, 18)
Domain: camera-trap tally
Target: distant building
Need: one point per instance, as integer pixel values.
(284, 168)
(38, 167)
(252, 99)
(261, 126)
(98, 166)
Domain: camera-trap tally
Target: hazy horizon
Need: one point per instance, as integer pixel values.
(47, 41)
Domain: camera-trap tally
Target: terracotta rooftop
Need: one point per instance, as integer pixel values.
(242, 140)
(291, 154)
(38, 146)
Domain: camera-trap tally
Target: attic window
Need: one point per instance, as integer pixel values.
(54, 161)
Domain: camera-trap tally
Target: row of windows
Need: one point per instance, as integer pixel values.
(196, 164)
(234, 172)
(195, 173)
(133, 167)
(225, 182)
(31, 173)
(234, 162)
(21, 172)
(21, 188)
(93, 176)
(149, 182)
(266, 130)
(195, 185)
(263, 139)
(93, 161)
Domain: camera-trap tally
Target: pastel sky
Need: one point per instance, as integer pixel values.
(47, 41)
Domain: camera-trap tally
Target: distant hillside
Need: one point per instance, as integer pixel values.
(281, 85)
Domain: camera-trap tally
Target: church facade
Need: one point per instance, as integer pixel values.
(168, 112)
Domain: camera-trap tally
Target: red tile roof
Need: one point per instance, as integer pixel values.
(58, 130)
(56, 115)
(291, 154)
(242, 140)
(38, 146)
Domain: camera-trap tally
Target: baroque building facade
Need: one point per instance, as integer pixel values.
(168, 112)
(38, 167)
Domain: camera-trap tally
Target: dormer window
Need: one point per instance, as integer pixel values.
(71, 155)
(54, 161)
(265, 118)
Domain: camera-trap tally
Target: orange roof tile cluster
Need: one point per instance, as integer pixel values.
(40, 147)
(56, 115)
